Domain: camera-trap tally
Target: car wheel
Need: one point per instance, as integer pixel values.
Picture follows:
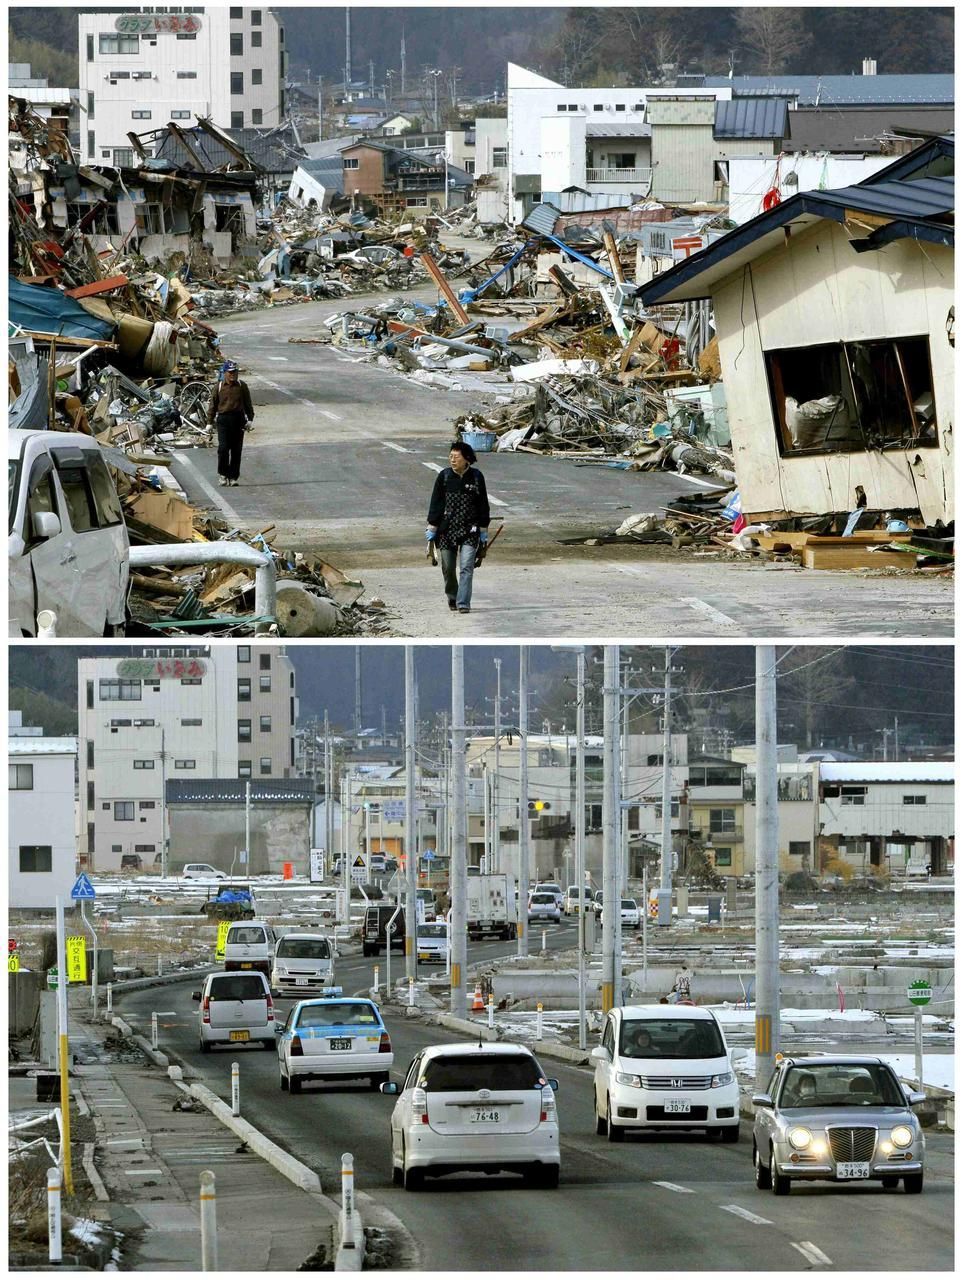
(295, 1084)
(889, 1182)
(379, 1078)
(205, 1046)
(779, 1183)
(365, 949)
(763, 1180)
(599, 1120)
(614, 1132)
(544, 1175)
(412, 1179)
(912, 1183)
(730, 1133)
(284, 1081)
(397, 1175)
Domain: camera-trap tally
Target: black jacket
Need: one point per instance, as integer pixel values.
(459, 507)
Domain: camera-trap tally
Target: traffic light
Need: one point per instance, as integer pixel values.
(539, 806)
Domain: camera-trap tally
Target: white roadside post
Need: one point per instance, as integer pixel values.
(159, 1013)
(208, 1222)
(538, 1021)
(491, 1011)
(377, 978)
(110, 998)
(54, 1249)
(544, 939)
(411, 993)
(235, 1088)
(347, 1201)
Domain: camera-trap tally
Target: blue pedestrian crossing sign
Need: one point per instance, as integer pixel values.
(83, 888)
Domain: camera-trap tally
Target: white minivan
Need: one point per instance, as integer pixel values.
(250, 945)
(303, 964)
(68, 544)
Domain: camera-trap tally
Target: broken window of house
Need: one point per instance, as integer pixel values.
(845, 397)
(149, 219)
(620, 160)
(228, 217)
(123, 157)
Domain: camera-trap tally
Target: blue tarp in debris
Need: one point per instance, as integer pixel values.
(41, 309)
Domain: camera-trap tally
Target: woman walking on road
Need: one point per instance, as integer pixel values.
(458, 519)
(232, 411)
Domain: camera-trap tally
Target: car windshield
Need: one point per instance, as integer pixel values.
(456, 1073)
(835, 1084)
(245, 934)
(629, 904)
(671, 1038)
(304, 949)
(433, 931)
(345, 1013)
(237, 986)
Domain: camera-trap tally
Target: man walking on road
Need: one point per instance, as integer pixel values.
(232, 412)
(458, 520)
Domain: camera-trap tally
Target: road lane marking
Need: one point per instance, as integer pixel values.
(738, 1210)
(311, 404)
(209, 489)
(495, 502)
(284, 358)
(714, 615)
(141, 1172)
(674, 1186)
(432, 466)
(705, 484)
(399, 448)
(810, 1252)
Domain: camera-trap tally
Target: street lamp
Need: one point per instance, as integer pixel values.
(580, 876)
(435, 73)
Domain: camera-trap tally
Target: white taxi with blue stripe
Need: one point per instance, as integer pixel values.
(336, 1037)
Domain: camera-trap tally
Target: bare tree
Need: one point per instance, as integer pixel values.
(646, 38)
(772, 35)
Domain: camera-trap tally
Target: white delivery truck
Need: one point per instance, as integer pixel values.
(492, 906)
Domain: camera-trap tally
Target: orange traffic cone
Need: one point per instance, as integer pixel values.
(477, 1000)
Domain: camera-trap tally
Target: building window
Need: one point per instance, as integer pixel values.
(722, 821)
(145, 848)
(117, 848)
(620, 106)
(187, 75)
(91, 800)
(499, 157)
(265, 724)
(236, 12)
(123, 811)
(244, 653)
(90, 105)
(244, 690)
(255, 39)
(598, 107)
(140, 115)
(257, 115)
(722, 857)
(621, 160)
(255, 17)
(469, 166)
(914, 799)
(350, 162)
(265, 764)
(144, 764)
(90, 753)
(185, 764)
(191, 724)
(91, 142)
(90, 695)
(243, 768)
(237, 44)
(120, 691)
(180, 115)
(21, 777)
(876, 394)
(237, 82)
(244, 731)
(36, 857)
(257, 76)
(237, 119)
(116, 43)
(852, 795)
(146, 804)
(187, 35)
(90, 48)
(800, 848)
(265, 684)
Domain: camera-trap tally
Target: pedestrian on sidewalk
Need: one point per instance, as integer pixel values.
(683, 985)
(458, 519)
(233, 414)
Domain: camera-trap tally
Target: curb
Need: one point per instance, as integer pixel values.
(350, 1257)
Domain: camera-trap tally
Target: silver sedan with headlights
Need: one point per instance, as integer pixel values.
(836, 1119)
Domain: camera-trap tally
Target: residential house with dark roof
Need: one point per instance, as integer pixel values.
(392, 179)
(834, 313)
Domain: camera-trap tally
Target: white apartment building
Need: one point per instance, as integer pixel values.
(149, 65)
(42, 846)
(203, 711)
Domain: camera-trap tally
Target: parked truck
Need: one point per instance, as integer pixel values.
(492, 906)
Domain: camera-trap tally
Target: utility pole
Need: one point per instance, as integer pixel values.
(402, 62)
(320, 106)
(496, 805)
(896, 737)
(580, 836)
(358, 725)
(371, 84)
(345, 825)
(411, 851)
(459, 852)
(523, 827)
(165, 842)
(247, 826)
(767, 867)
(328, 796)
(665, 869)
(610, 816)
(347, 49)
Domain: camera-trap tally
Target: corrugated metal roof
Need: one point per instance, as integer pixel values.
(894, 771)
(825, 90)
(919, 198)
(751, 118)
(584, 202)
(42, 746)
(858, 129)
(232, 791)
(599, 129)
(542, 219)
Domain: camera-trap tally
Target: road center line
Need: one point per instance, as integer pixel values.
(714, 615)
(281, 358)
(495, 502)
(810, 1252)
(209, 489)
(674, 1186)
(738, 1210)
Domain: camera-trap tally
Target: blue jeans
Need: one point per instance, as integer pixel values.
(458, 584)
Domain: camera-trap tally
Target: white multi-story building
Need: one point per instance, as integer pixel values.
(42, 843)
(149, 65)
(215, 711)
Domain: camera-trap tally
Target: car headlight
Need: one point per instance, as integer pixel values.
(799, 1138)
(634, 1082)
(725, 1077)
(902, 1136)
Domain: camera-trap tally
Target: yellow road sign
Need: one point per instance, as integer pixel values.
(222, 928)
(77, 958)
(13, 962)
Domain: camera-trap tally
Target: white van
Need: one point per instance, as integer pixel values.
(250, 945)
(303, 964)
(68, 544)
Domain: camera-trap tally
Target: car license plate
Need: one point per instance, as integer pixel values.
(245, 964)
(343, 1043)
(300, 982)
(424, 955)
(852, 1169)
(678, 1106)
(239, 1035)
(484, 1114)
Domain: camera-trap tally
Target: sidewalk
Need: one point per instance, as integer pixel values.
(150, 1155)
